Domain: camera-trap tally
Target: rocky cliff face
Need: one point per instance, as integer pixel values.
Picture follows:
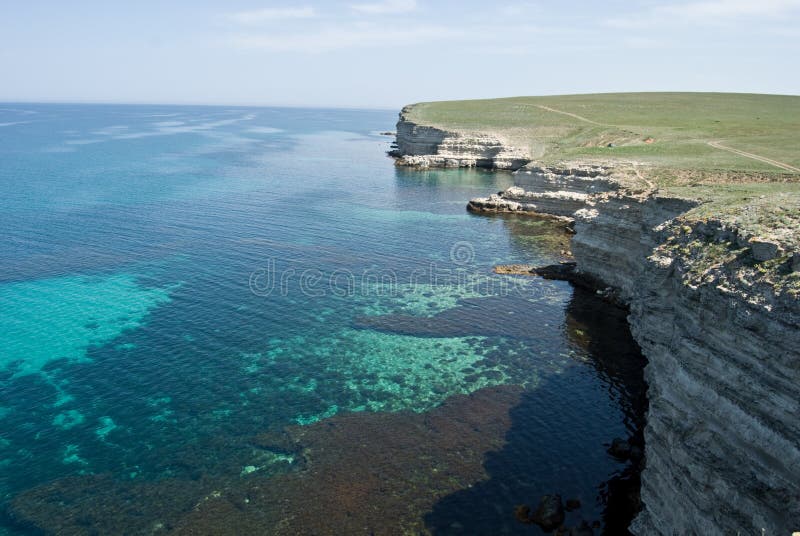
(723, 431)
(723, 344)
(426, 146)
(557, 192)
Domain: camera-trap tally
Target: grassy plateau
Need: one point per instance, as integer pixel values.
(738, 153)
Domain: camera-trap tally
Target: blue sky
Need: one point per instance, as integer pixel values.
(385, 53)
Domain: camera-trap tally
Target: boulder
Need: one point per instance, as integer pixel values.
(765, 250)
(523, 514)
(620, 449)
(515, 269)
(796, 262)
(582, 530)
(514, 191)
(549, 515)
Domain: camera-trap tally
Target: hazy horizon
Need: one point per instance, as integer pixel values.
(383, 54)
(341, 107)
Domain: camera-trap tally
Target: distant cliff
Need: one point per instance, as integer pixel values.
(426, 146)
(716, 312)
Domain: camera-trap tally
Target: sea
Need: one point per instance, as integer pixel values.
(181, 285)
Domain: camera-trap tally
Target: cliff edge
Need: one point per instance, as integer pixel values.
(427, 146)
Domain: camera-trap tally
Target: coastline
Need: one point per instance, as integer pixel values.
(721, 336)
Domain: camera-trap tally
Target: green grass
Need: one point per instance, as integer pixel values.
(680, 123)
(757, 195)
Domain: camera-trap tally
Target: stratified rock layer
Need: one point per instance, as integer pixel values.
(557, 192)
(426, 146)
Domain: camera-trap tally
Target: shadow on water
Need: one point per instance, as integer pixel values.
(545, 449)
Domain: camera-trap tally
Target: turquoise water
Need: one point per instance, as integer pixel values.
(173, 275)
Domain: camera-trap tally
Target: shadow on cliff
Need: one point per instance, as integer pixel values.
(540, 455)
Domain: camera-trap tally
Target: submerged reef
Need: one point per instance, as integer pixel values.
(357, 473)
(458, 468)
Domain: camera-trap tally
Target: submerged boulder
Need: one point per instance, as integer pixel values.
(550, 513)
(620, 448)
(523, 514)
(584, 529)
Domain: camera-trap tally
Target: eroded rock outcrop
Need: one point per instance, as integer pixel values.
(427, 146)
(557, 192)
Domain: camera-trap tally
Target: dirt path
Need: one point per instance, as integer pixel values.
(714, 144)
(575, 116)
(642, 177)
(587, 120)
(785, 167)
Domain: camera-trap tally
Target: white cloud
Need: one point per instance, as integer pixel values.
(385, 7)
(732, 8)
(520, 9)
(705, 12)
(272, 13)
(336, 38)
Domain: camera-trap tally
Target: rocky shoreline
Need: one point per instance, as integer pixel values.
(722, 440)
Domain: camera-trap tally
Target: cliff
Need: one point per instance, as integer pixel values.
(427, 146)
(715, 309)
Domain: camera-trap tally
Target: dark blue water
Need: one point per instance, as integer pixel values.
(173, 275)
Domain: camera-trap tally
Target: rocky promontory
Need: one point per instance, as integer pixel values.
(427, 146)
(714, 304)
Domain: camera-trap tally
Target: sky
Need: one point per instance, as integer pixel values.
(386, 53)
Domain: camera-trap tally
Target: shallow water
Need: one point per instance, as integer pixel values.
(174, 279)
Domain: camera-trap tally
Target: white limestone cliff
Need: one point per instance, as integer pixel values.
(426, 146)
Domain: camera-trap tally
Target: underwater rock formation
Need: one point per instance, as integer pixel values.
(356, 473)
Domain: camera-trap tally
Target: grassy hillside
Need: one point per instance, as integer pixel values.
(681, 126)
(684, 143)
